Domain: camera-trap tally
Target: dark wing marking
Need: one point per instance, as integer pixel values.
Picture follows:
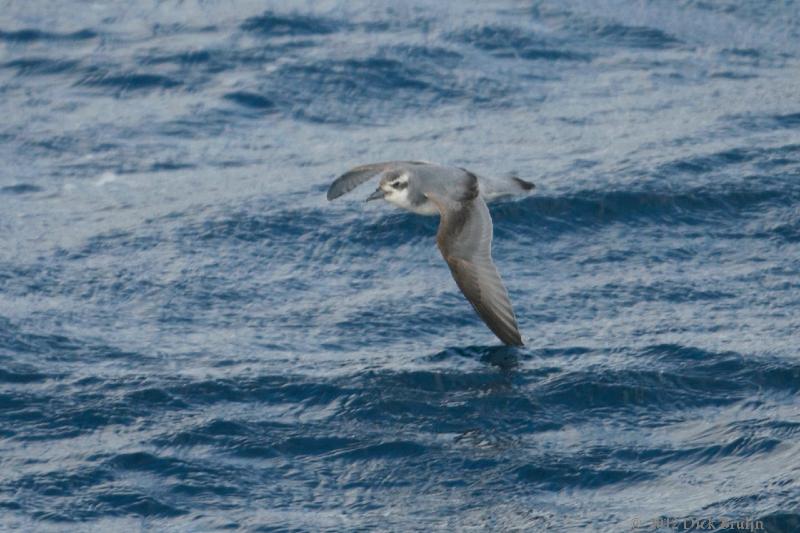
(356, 176)
(525, 185)
(465, 240)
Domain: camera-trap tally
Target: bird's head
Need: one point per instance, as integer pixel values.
(393, 188)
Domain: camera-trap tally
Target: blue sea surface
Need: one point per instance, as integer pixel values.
(192, 338)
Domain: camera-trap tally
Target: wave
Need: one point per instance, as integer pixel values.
(475, 421)
(250, 100)
(761, 157)
(788, 120)
(726, 207)
(127, 81)
(124, 502)
(632, 36)
(20, 188)
(768, 122)
(505, 41)
(388, 84)
(305, 236)
(686, 378)
(272, 24)
(31, 35)
(552, 474)
(41, 66)
(21, 374)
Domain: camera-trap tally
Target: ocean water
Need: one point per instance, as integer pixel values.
(193, 339)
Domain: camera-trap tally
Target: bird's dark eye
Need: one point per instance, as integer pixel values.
(396, 184)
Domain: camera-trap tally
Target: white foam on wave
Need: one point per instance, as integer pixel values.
(105, 178)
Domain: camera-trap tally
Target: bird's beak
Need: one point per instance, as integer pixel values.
(377, 195)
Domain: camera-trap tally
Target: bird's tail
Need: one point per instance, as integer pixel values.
(524, 185)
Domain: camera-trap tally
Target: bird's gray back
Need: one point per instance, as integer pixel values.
(454, 184)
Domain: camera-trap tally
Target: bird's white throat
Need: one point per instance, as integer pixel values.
(401, 199)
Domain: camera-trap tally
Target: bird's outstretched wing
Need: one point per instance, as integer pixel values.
(358, 175)
(465, 240)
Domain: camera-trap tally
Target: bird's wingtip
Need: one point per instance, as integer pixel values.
(515, 340)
